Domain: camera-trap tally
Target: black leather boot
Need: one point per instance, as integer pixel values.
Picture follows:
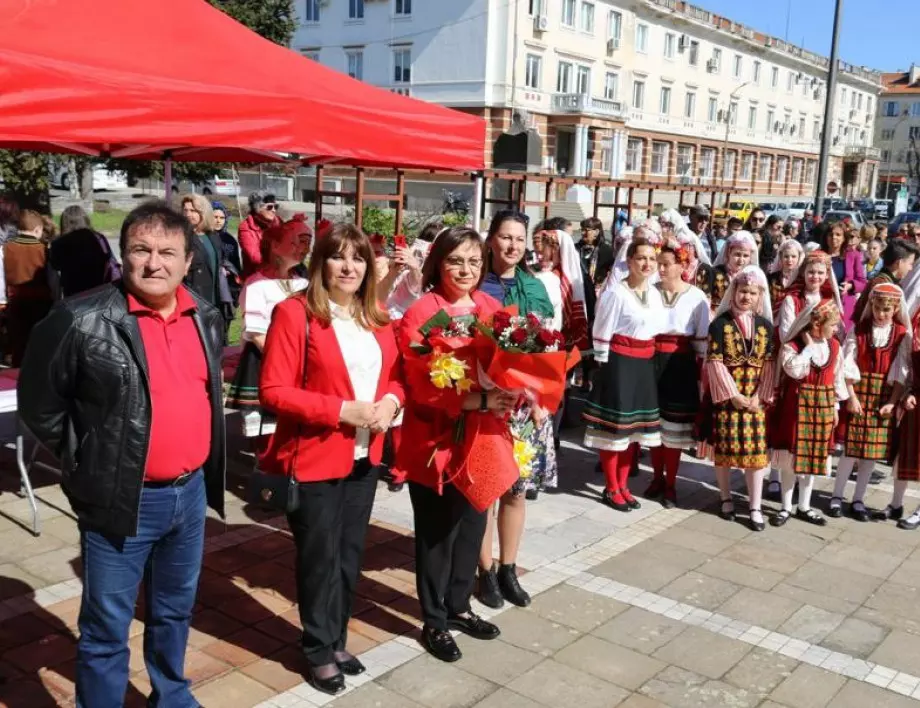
(488, 592)
(510, 587)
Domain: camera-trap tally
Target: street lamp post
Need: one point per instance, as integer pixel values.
(728, 124)
(894, 134)
(828, 113)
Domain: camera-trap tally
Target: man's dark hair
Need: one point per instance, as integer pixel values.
(557, 223)
(156, 213)
(897, 249)
(734, 221)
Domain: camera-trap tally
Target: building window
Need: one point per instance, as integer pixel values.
(756, 73)
(611, 86)
(311, 15)
(747, 165)
(752, 118)
(737, 66)
(886, 154)
(888, 134)
(774, 77)
(693, 55)
(355, 9)
(712, 112)
(802, 128)
(913, 133)
(707, 163)
(915, 109)
(771, 118)
(634, 155)
(853, 99)
(641, 38)
(404, 7)
(638, 97)
(606, 155)
(312, 54)
(843, 96)
(685, 161)
(810, 172)
(816, 130)
(782, 166)
(670, 40)
(660, 153)
(402, 66)
(535, 7)
(568, 13)
(728, 168)
(583, 81)
(664, 105)
(733, 113)
(690, 105)
(891, 109)
(587, 17)
(533, 70)
(859, 102)
(717, 60)
(614, 25)
(790, 80)
(796, 170)
(564, 77)
(355, 64)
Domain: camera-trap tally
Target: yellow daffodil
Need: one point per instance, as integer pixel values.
(446, 370)
(524, 454)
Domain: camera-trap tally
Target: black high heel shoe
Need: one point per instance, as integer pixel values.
(332, 685)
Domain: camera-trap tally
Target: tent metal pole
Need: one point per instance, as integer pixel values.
(167, 176)
(359, 197)
(400, 197)
(318, 192)
(477, 206)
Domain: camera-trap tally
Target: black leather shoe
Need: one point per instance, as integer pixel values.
(510, 587)
(889, 513)
(727, 514)
(877, 477)
(633, 503)
(351, 667)
(396, 486)
(756, 525)
(780, 519)
(332, 686)
(835, 511)
(473, 625)
(532, 494)
(811, 517)
(669, 500)
(608, 500)
(489, 593)
(440, 644)
(860, 513)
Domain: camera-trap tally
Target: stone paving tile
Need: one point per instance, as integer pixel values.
(234, 689)
(838, 583)
(637, 700)
(700, 590)
(761, 671)
(554, 684)
(677, 687)
(712, 524)
(703, 652)
(759, 608)
(502, 698)
(900, 650)
(811, 624)
(740, 574)
(497, 661)
(758, 553)
(815, 598)
(640, 630)
(857, 694)
(898, 599)
(650, 565)
(610, 662)
(436, 684)
(808, 687)
(849, 557)
(855, 637)
(576, 608)
(372, 695)
(695, 540)
(533, 633)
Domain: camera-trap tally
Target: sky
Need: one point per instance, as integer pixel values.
(880, 34)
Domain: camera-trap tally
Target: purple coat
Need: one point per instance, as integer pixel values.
(854, 271)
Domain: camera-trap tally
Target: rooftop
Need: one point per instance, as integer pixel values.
(902, 82)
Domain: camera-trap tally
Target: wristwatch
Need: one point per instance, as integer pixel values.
(483, 402)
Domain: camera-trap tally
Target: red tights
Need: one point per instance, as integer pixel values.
(616, 466)
(665, 461)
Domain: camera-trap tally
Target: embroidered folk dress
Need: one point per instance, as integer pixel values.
(739, 361)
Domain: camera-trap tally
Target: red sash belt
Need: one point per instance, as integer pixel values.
(672, 343)
(633, 348)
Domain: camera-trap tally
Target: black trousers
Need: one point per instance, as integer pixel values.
(329, 530)
(448, 535)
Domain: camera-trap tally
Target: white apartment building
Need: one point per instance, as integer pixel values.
(652, 90)
(898, 132)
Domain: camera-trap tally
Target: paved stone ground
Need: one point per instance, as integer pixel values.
(651, 608)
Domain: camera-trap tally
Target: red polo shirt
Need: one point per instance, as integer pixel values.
(180, 426)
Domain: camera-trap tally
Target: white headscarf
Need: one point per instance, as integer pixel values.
(620, 270)
(910, 284)
(804, 319)
(742, 239)
(570, 262)
(749, 275)
(777, 265)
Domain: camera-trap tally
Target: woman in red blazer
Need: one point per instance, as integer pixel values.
(448, 530)
(331, 374)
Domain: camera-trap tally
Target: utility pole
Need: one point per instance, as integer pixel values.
(828, 114)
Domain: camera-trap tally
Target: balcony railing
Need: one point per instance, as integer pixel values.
(583, 103)
(862, 152)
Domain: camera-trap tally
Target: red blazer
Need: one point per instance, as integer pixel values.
(426, 444)
(323, 449)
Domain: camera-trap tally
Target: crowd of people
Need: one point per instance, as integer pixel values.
(758, 346)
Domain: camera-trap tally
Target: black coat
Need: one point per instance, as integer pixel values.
(204, 275)
(84, 393)
(82, 260)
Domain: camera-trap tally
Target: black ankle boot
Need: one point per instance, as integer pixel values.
(510, 587)
(488, 592)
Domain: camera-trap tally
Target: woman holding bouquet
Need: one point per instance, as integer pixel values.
(509, 281)
(623, 411)
(331, 375)
(448, 529)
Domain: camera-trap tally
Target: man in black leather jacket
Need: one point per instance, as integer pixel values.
(123, 385)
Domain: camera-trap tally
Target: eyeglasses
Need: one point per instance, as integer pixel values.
(757, 219)
(270, 206)
(455, 263)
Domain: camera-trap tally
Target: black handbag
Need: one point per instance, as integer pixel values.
(275, 492)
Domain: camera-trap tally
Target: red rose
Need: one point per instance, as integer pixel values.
(546, 338)
(560, 339)
(518, 337)
(500, 327)
(436, 332)
(472, 330)
(501, 318)
(533, 320)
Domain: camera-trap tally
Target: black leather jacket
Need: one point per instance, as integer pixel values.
(84, 393)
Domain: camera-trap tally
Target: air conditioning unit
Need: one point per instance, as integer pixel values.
(683, 43)
(540, 23)
(613, 44)
(712, 66)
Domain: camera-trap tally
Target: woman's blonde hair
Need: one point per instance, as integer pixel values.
(368, 312)
(203, 207)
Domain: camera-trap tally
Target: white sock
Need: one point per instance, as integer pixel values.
(788, 484)
(863, 472)
(844, 467)
(806, 485)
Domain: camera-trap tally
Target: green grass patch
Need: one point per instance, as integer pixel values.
(109, 222)
(235, 332)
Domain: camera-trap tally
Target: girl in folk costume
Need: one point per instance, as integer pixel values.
(876, 355)
(698, 270)
(562, 276)
(678, 353)
(784, 271)
(740, 251)
(623, 410)
(815, 282)
(739, 378)
(811, 384)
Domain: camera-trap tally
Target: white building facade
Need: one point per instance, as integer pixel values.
(898, 133)
(650, 90)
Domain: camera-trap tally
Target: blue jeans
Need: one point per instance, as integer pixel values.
(166, 554)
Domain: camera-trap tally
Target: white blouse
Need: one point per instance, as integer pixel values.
(258, 299)
(787, 313)
(900, 367)
(619, 311)
(402, 296)
(689, 315)
(553, 285)
(363, 360)
(798, 364)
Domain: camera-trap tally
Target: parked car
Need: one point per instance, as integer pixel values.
(103, 179)
(854, 217)
(769, 208)
(835, 205)
(797, 209)
(224, 186)
(740, 209)
(907, 217)
(883, 208)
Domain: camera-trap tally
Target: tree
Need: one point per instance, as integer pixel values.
(275, 20)
(26, 178)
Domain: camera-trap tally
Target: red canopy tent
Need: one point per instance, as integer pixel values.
(135, 78)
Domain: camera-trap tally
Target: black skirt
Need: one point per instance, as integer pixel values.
(678, 395)
(243, 392)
